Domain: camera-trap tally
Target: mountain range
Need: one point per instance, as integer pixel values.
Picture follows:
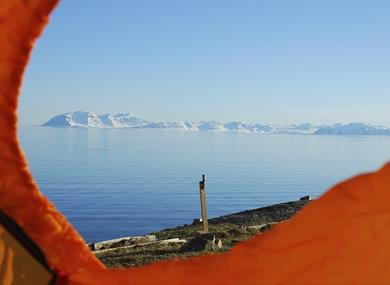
(82, 119)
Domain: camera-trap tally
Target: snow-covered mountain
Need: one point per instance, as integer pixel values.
(122, 120)
(82, 119)
(241, 127)
(75, 119)
(208, 126)
(302, 129)
(353, 129)
(185, 126)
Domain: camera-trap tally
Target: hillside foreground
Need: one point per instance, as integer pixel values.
(188, 240)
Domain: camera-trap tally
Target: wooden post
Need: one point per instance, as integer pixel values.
(203, 204)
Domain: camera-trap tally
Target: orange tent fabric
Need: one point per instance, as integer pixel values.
(21, 22)
(343, 237)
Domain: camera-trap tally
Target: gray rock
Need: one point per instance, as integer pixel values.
(201, 242)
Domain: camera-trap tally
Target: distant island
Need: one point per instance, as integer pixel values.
(81, 119)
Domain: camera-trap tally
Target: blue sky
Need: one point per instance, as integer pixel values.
(256, 61)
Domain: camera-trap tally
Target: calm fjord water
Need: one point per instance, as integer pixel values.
(120, 182)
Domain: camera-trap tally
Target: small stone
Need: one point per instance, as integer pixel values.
(91, 246)
(305, 198)
(196, 222)
(218, 244)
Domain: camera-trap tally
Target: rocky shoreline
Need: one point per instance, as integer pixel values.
(188, 240)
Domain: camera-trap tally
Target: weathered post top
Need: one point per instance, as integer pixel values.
(202, 182)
